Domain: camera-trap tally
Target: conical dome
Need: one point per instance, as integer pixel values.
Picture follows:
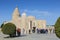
(16, 14)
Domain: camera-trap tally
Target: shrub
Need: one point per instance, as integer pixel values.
(2, 25)
(9, 29)
(57, 27)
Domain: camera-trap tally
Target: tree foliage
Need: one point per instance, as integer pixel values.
(2, 25)
(57, 28)
(9, 29)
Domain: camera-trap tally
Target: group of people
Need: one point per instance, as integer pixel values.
(42, 31)
(39, 31)
(18, 30)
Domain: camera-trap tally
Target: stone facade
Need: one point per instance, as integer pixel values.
(26, 23)
(41, 24)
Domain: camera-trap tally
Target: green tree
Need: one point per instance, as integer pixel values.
(2, 25)
(9, 29)
(57, 27)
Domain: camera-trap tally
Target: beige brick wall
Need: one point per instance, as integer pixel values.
(41, 24)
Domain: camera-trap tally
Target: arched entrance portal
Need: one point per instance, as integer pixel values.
(32, 27)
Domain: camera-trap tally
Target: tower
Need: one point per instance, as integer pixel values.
(16, 19)
(24, 22)
(16, 14)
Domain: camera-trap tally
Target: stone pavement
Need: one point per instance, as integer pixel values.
(33, 36)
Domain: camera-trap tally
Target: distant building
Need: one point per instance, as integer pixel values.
(50, 27)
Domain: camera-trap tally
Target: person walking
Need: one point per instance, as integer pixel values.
(29, 31)
(18, 32)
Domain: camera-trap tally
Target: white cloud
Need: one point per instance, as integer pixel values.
(45, 13)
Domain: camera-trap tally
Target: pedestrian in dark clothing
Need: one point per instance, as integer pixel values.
(18, 31)
(46, 30)
(37, 30)
(29, 31)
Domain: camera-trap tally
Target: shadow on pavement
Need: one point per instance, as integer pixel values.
(15, 36)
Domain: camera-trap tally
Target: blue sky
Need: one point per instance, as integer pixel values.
(48, 10)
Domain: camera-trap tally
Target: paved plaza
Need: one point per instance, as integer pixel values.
(33, 36)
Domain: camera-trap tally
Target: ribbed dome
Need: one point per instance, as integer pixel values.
(24, 14)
